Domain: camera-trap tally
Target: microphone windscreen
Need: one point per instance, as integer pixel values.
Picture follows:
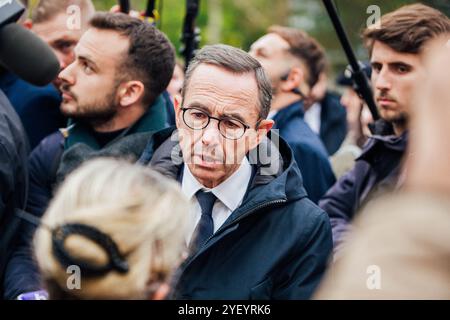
(27, 56)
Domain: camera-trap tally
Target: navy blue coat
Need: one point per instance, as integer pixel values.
(375, 171)
(309, 152)
(274, 246)
(37, 107)
(13, 179)
(333, 122)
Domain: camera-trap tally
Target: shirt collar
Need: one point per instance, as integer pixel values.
(230, 192)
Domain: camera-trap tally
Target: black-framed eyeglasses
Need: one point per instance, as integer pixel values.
(229, 128)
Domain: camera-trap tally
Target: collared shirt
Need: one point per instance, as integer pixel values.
(272, 114)
(229, 193)
(312, 117)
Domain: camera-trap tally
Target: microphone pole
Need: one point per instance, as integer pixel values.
(124, 6)
(191, 33)
(359, 77)
(149, 11)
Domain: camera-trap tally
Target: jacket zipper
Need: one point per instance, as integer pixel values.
(246, 214)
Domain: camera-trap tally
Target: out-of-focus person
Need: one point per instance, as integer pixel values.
(293, 61)
(358, 120)
(121, 224)
(325, 114)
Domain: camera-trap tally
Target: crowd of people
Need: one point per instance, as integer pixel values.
(242, 176)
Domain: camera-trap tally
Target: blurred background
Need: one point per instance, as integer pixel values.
(241, 22)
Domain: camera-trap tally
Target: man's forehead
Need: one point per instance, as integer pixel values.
(271, 42)
(213, 86)
(208, 75)
(383, 53)
(103, 45)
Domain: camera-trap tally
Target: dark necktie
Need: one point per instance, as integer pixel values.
(205, 227)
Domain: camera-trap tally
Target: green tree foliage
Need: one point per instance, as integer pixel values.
(241, 22)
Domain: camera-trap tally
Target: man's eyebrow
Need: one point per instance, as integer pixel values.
(200, 106)
(400, 63)
(87, 59)
(234, 116)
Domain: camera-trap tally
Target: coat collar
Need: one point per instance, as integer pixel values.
(153, 120)
(390, 143)
(277, 175)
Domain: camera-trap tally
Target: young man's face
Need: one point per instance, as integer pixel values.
(394, 76)
(89, 84)
(60, 38)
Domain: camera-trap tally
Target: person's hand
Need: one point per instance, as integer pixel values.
(428, 166)
(34, 295)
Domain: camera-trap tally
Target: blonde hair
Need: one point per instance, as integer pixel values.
(142, 211)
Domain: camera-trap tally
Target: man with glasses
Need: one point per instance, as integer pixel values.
(254, 232)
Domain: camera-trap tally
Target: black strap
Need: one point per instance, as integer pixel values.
(116, 260)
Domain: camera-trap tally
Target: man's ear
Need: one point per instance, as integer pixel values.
(263, 128)
(177, 104)
(131, 92)
(295, 79)
(28, 24)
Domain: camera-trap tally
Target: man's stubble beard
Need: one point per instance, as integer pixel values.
(97, 113)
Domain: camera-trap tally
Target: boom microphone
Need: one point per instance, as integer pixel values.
(21, 52)
(27, 56)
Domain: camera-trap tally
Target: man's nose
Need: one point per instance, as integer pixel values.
(211, 134)
(382, 80)
(67, 75)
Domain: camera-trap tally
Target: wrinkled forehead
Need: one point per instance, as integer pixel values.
(220, 90)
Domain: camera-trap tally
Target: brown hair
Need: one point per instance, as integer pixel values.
(48, 9)
(408, 28)
(237, 61)
(151, 56)
(305, 48)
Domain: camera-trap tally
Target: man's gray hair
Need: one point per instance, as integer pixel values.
(237, 61)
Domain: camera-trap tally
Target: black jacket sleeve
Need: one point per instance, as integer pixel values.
(22, 273)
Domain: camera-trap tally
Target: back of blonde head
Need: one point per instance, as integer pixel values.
(142, 211)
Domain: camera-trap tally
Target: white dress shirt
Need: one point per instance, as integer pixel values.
(229, 194)
(312, 117)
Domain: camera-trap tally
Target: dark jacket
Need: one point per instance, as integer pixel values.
(13, 178)
(274, 246)
(53, 159)
(309, 152)
(37, 107)
(333, 122)
(375, 171)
